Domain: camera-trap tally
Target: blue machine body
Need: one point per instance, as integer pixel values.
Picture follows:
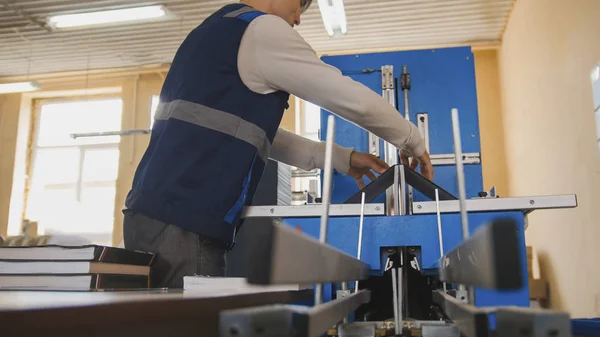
(442, 79)
(380, 232)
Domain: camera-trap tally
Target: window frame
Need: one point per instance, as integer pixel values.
(32, 148)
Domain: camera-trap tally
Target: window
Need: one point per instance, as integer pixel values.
(595, 75)
(73, 181)
(153, 108)
(311, 121)
(310, 124)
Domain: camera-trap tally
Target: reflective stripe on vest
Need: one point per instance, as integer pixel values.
(238, 12)
(216, 120)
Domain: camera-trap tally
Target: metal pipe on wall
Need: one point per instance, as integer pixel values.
(134, 117)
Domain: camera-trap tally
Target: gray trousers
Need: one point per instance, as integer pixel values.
(179, 252)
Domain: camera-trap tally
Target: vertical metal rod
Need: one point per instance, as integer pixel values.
(460, 174)
(395, 301)
(402, 191)
(390, 152)
(406, 107)
(407, 117)
(439, 223)
(460, 177)
(326, 194)
(405, 90)
(400, 291)
(345, 287)
(360, 232)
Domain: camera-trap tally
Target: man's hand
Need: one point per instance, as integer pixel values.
(424, 161)
(361, 165)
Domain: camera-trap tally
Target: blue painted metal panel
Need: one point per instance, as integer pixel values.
(420, 230)
(442, 79)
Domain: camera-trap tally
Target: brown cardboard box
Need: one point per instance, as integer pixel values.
(538, 289)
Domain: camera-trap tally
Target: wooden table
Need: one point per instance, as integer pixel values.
(163, 313)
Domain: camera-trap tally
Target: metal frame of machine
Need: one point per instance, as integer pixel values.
(490, 259)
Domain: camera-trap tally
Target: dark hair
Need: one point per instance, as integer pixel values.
(304, 4)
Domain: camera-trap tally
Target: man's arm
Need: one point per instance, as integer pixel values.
(306, 154)
(273, 56)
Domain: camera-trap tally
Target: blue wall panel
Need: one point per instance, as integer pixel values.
(442, 79)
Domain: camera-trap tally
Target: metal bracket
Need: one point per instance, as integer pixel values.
(339, 294)
(471, 158)
(373, 145)
(388, 93)
(423, 126)
(387, 77)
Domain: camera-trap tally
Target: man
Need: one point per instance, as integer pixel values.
(218, 123)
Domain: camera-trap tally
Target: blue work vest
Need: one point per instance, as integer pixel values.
(211, 135)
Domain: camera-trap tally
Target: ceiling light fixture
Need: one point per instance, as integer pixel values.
(334, 17)
(8, 88)
(107, 17)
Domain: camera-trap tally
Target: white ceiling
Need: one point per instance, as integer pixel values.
(26, 47)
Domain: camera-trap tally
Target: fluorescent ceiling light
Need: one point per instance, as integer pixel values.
(8, 88)
(334, 16)
(107, 17)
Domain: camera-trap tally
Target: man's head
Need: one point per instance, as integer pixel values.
(289, 10)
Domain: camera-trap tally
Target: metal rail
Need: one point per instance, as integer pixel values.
(516, 321)
(290, 257)
(287, 320)
(522, 204)
(488, 259)
(312, 210)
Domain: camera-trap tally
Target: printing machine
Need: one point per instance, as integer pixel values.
(403, 256)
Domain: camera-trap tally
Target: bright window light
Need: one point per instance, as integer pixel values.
(7, 88)
(334, 16)
(107, 17)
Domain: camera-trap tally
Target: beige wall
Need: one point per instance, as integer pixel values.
(548, 51)
(9, 117)
(490, 121)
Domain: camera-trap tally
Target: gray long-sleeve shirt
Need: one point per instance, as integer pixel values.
(273, 56)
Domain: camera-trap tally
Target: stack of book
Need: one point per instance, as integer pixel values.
(81, 268)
